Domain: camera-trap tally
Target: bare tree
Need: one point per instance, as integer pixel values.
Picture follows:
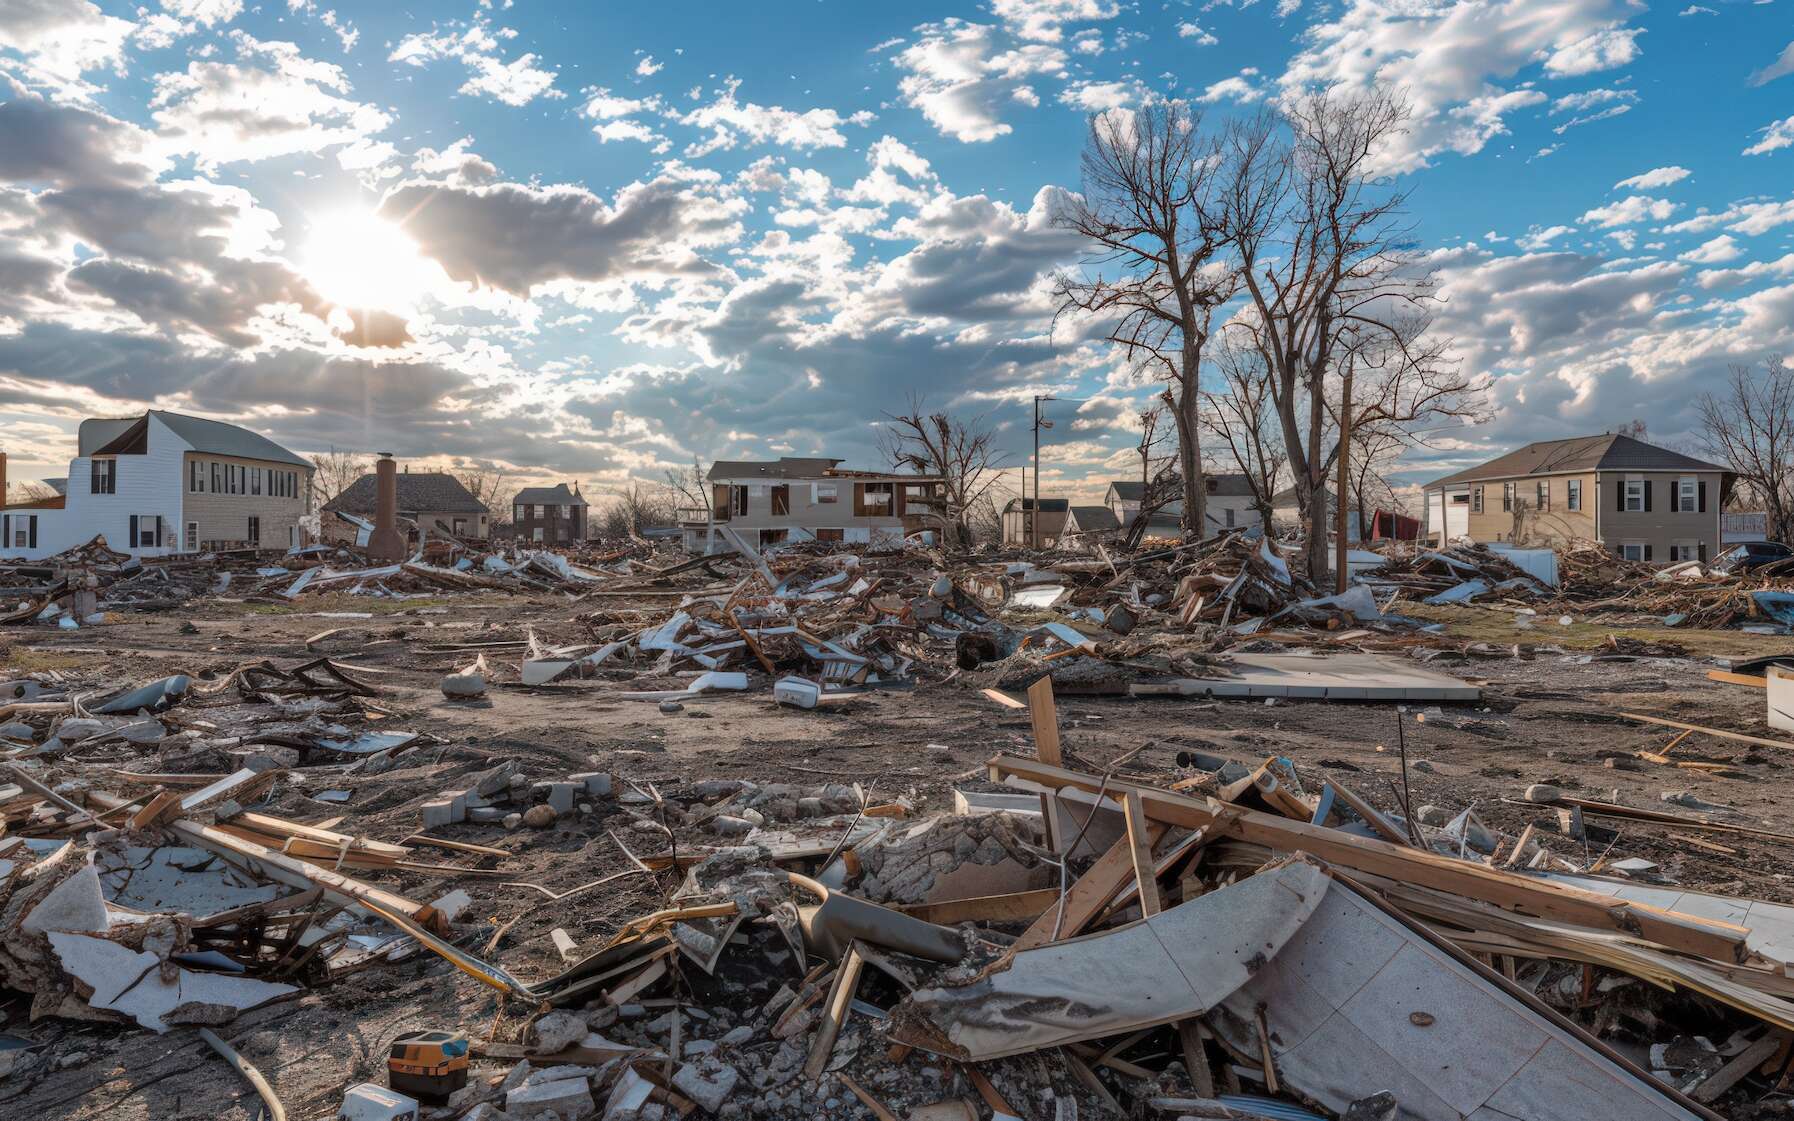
(1244, 419)
(636, 507)
(1635, 428)
(686, 486)
(1750, 425)
(335, 471)
(962, 454)
(486, 482)
(1151, 205)
(1375, 450)
(1334, 285)
(985, 521)
(1152, 435)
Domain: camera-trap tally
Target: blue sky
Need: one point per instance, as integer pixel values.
(589, 241)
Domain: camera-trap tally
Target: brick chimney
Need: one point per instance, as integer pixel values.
(385, 544)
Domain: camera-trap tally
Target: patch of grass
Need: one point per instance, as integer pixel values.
(1478, 624)
(18, 660)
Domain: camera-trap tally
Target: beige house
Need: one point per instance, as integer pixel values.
(794, 498)
(1018, 521)
(1641, 501)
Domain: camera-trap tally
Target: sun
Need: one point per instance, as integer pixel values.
(359, 260)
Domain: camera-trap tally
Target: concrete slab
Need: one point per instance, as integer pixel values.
(1334, 677)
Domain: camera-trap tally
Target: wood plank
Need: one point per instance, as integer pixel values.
(1195, 1058)
(1002, 698)
(1517, 855)
(1140, 850)
(1725, 678)
(1112, 871)
(1384, 827)
(1045, 716)
(1711, 938)
(161, 808)
(1741, 1065)
(840, 998)
(998, 1104)
(877, 1107)
(986, 908)
(1720, 733)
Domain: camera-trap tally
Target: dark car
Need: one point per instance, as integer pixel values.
(1750, 555)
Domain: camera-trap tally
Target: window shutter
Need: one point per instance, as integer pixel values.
(1675, 498)
(33, 521)
(1619, 487)
(5, 532)
(1647, 508)
(1703, 545)
(1702, 497)
(1647, 546)
(133, 543)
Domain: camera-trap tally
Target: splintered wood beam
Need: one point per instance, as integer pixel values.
(1046, 721)
(847, 982)
(1690, 934)
(1112, 871)
(1140, 850)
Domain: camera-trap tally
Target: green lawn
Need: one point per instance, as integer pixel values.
(1477, 624)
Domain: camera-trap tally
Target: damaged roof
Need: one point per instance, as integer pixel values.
(418, 490)
(1608, 452)
(213, 437)
(784, 467)
(557, 495)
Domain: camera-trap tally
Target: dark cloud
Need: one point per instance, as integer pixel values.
(45, 143)
(515, 237)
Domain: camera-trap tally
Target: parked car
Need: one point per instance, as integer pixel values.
(1750, 555)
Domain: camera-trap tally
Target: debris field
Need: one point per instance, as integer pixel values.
(823, 833)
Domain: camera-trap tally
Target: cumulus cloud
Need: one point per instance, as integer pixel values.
(1653, 179)
(1744, 274)
(45, 143)
(1044, 20)
(730, 119)
(1450, 58)
(274, 102)
(60, 41)
(206, 13)
(1095, 97)
(517, 82)
(1188, 30)
(1238, 88)
(963, 83)
(517, 237)
(1629, 211)
(1715, 251)
(1536, 238)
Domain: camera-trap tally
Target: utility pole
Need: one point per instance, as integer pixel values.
(1034, 515)
(1339, 499)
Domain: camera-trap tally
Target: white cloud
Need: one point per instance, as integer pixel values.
(1698, 10)
(1590, 99)
(275, 102)
(1238, 88)
(516, 83)
(727, 118)
(1094, 97)
(1451, 59)
(1606, 49)
(1535, 238)
(1780, 68)
(61, 40)
(1188, 30)
(1716, 251)
(1628, 211)
(1776, 136)
(647, 67)
(1755, 270)
(206, 13)
(1041, 20)
(1653, 179)
(962, 83)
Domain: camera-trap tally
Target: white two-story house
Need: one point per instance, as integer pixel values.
(164, 483)
(810, 499)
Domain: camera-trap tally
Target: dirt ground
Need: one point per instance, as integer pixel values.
(1547, 717)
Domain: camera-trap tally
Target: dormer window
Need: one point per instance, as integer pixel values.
(105, 476)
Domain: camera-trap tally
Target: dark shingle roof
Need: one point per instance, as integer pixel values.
(1094, 519)
(419, 492)
(557, 495)
(1582, 453)
(1047, 505)
(785, 467)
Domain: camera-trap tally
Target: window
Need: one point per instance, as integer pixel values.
(536, 534)
(1507, 498)
(1635, 551)
(254, 535)
(781, 499)
(826, 492)
(773, 537)
(1544, 495)
(1685, 551)
(1575, 496)
(193, 476)
(1686, 500)
(1634, 496)
(877, 498)
(831, 534)
(738, 502)
(1476, 500)
(146, 531)
(1230, 517)
(105, 476)
(538, 511)
(193, 537)
(21, 530)
(255, 480)
(217, 485)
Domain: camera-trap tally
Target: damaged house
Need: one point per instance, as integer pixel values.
(810, 499)
(165, 483)
(549, 515)
(437, 502)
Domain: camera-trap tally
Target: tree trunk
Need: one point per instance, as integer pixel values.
(1189, 440)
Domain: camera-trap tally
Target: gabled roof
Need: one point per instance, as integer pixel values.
(1606, 452)
(1047, 505)
(419, 491)
(1220, 484)
(213, 437)
(785, 467)
(1094, 519)
(557, 495)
